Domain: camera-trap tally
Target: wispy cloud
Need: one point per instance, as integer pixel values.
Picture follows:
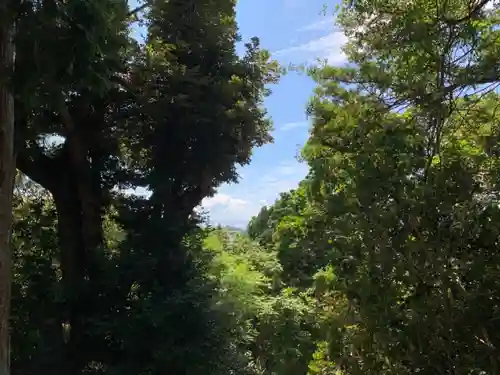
(229, 210)
(327, 23)
(293, 125)
(236, 204)
(285, 176)
(327, 47)
(223, 200)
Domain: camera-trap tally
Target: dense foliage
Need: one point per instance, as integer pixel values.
(105, 281)
(384, 260)
(397, 221)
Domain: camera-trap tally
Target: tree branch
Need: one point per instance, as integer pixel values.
(473, 11)
(37, 166)
(139, 9)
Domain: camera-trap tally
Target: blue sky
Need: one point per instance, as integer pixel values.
(295, 31)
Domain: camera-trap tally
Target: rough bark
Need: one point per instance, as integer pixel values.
(83, 222)
(90, 207)
(7, 175)
(79, 237)
(73, 268)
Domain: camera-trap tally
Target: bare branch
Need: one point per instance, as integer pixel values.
(139, 9)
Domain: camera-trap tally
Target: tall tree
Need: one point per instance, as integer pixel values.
(173, 116)
(7, 174)
(399, 153)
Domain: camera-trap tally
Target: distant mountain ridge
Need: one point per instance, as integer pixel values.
(230, 228)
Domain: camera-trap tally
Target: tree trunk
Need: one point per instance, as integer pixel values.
(73, 270)
(77, 251)
(77, 196)
(7, 175)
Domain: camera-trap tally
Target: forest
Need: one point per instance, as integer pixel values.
(383, 260)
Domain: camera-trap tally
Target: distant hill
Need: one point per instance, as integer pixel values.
(234, 229)
(213, 241)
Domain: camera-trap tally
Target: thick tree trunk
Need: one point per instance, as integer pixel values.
(79, 239)
(7, 175)
(76, 193)
(73, 269)
(77, 251)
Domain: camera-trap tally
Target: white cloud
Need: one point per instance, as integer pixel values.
(490, 5)
(293, 125)
(283, 177)
(327, 47)
(228, 210)
(235, 204)
(223, 200)
(325, 24)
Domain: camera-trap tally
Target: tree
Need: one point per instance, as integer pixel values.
(293, 228)
(398, 155)
(258, 227)
(173, 116)
(37, 335)
(7, 173)
(272, 326)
